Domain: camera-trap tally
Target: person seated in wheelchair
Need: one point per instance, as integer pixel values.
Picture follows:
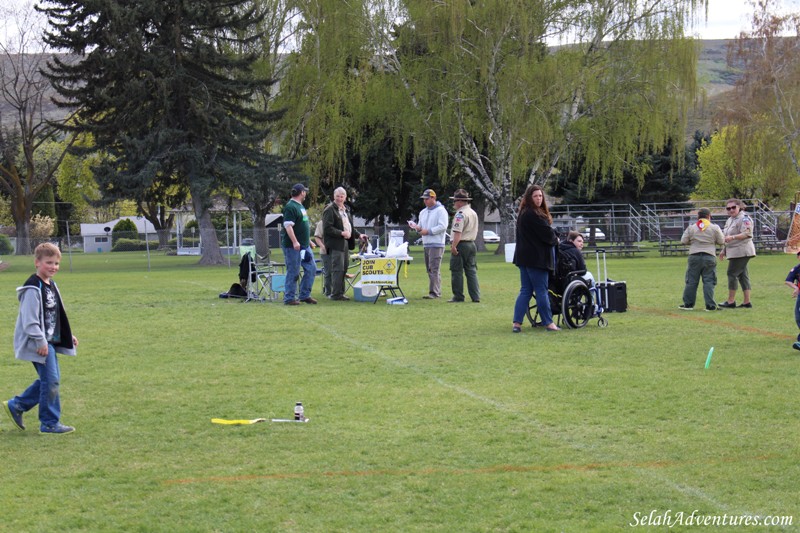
(570, 250)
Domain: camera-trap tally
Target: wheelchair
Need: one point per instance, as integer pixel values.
(572, 301)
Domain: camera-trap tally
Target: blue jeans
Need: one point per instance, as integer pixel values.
(533, 280)
(43, 391)
(293, 264)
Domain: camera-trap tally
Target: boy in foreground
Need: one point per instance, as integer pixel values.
(42, 330)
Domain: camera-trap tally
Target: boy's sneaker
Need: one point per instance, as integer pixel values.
(796, 345)
(16, 418)
(713, 308)
(57, 428)
(686, 307)
(726, 305)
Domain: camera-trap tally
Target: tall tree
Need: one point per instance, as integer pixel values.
(755, 164)
(666, 179)
(765, 103)
(26, 130)
(482, 83)
(262, 188)
(184, 113)
(387, 190)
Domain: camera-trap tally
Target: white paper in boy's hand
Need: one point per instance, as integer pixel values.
(412, 223)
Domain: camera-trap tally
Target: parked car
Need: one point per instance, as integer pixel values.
(490, 237)
(598, 234)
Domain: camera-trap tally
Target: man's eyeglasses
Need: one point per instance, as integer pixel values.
(731, 207)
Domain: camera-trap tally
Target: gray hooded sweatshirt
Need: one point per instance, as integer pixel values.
(29, 333)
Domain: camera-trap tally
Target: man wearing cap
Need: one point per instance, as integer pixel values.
(703, 237)
(462, 249)
(339, 235)
(432, 227)
(296, 245)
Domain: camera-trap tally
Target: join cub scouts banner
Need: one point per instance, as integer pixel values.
(381, 271)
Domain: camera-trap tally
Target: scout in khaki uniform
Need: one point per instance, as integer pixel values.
(463, 251)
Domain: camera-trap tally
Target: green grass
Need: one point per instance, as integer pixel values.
(425, 417)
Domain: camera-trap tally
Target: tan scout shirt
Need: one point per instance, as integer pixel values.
(465, 221)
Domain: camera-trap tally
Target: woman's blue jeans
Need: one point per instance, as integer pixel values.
(43, 391)
(533, 280)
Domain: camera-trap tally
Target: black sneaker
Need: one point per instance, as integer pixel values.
(713, 308)
(726, 305)
(748, 305)
(796, 345)
(686, 307)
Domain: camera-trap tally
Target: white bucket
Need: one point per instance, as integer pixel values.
(510, 248)
(395, 238)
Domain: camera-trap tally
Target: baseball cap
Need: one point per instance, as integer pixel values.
(462, 195)
(429, 193)
(298, 188)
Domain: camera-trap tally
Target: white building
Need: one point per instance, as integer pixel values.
(97, 237)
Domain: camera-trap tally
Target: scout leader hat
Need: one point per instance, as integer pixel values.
(428, 194)
(461, 195)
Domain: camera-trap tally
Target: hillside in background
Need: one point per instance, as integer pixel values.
(715, 79)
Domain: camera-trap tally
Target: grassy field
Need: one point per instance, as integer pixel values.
(425, 417)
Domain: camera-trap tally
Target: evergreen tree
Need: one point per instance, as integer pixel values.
(162, 91)
(665, 179)
(387, 190)
(262, 188)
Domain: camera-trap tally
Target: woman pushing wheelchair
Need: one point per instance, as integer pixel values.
(535, 257)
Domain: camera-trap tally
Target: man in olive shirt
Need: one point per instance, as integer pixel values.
(463, 251)
(340, 235)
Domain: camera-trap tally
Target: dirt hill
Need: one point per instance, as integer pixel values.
(716, 79)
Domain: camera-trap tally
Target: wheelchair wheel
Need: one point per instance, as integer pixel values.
(533, 315)
(577, 304)
(555, 309)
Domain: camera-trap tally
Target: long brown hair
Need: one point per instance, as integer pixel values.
(527, 203)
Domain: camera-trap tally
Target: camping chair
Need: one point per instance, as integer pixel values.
(352, 272)
(264, 281)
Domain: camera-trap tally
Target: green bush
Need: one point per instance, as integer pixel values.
(123, 228)
(5, 245)
(187, 229)
(129, 245)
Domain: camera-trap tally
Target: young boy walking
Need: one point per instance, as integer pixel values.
(793, 281)
(42, 330)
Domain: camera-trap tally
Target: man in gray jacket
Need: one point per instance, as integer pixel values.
(703, 237)
(432, 227)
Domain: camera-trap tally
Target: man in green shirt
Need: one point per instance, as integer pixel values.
(296, 245)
